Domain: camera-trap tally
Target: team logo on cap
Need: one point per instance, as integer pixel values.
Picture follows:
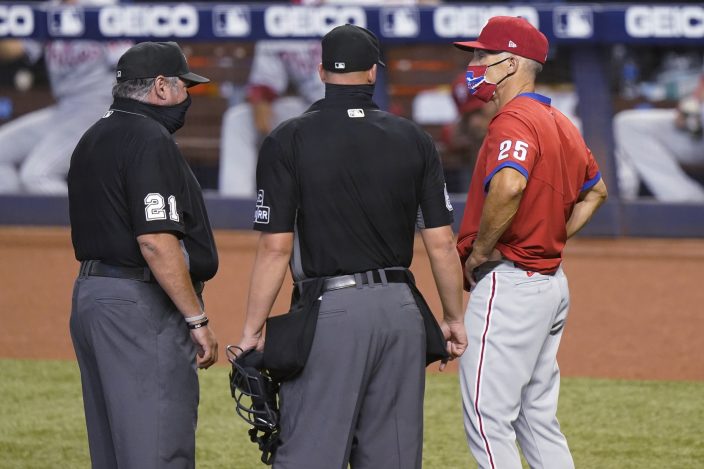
(339, 65)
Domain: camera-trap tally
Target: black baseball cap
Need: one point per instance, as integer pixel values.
(151, 59)
(350, 48)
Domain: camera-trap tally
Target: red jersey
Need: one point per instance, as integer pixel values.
(535, 139)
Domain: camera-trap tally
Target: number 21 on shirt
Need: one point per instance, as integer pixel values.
(154, 207)
(520, 150)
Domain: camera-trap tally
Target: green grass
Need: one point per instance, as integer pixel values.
(608, 423)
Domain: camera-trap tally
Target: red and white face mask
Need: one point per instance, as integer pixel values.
(478, 85)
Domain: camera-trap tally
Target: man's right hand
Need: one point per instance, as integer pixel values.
(207, 344)
(456, 337)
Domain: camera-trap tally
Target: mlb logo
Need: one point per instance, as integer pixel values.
(339, 65)
(231, 21)
(355, 112)
(399, 22)
(66, 22)
(573, 22)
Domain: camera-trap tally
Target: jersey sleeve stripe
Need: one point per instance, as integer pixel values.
(508, 164)
(590, 183)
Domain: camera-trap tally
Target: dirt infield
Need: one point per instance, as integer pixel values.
(637, 305)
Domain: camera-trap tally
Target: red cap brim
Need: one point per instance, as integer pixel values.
(471, 45)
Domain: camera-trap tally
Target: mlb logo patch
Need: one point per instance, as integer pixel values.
(339, 65)
(573, 22)
(355, 112)
(66, 21)
(512, 44)
(399, 22)
(231, 21)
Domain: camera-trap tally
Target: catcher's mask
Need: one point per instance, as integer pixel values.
(256, 398)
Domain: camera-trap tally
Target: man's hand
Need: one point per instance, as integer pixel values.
(476, 259)
(249, 341)
(473, 261)
(456, 338)
(207, 344)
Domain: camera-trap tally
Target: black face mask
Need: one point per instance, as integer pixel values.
(173, 117)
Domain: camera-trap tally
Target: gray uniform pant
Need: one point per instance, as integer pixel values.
(140, 384)
(359, 399)
(509, 375)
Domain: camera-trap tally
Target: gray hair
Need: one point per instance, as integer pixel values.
(139, 88)
(533, 66)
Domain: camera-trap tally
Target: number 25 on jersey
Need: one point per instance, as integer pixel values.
(520, 150)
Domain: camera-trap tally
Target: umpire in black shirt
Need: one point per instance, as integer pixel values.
(340, 190)
(141, 232)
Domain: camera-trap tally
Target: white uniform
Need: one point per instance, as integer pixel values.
(649, 147)
(35, 149)
(276, 65)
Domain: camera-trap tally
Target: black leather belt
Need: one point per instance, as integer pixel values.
(143, 274)
(347, 281)
(100, 269)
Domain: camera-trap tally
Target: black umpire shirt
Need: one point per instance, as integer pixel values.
(349, 179)
(128, 178)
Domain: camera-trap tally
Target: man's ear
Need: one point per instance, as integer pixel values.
(371, 75)
(160, 85)
(321, 72)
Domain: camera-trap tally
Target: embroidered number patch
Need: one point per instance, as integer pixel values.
(520, 150)
(154, 207)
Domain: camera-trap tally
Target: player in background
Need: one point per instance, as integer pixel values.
(35, 148)
(535, 185)
(276, 67)
(651, 145)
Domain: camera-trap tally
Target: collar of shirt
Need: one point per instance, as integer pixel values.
(538, 97)
(345, 95)
(139, 108)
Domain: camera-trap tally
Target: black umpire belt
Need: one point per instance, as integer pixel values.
(143, 274)
(380, 276)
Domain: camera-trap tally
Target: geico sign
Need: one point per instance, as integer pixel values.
(468, 21)
(16, 20)
(283, 21)
(157, 21)
(661, 21)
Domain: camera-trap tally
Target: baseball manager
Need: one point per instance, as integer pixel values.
(535, 185)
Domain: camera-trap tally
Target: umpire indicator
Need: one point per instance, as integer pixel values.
(339, 192)
(141, 232)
